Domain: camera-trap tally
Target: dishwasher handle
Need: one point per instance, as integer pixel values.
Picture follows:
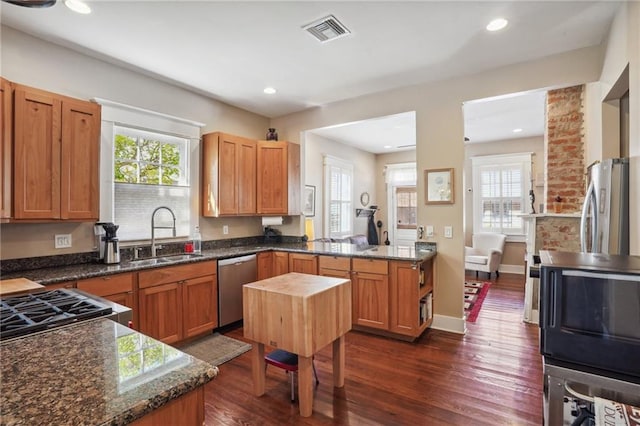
(237, 260)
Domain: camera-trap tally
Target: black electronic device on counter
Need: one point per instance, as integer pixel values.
(272, 235)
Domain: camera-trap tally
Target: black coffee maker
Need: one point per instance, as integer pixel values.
(109, 248)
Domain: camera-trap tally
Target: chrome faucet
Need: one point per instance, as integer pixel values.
(154, 227)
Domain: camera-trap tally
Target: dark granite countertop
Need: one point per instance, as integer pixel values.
(95, 372)
(54, 275)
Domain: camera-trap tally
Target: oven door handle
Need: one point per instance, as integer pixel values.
(548, 295)
(577, 394)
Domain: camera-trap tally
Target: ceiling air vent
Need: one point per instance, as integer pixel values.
(327, 29)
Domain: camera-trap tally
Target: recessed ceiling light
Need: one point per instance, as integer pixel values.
(269, 90)
(497, 24)
(387, 147)
(518, 130)
(78, 6)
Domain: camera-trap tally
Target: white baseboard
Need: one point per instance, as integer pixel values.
(450, 324)
(511, 269)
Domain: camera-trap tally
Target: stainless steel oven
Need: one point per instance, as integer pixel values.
(589, 333)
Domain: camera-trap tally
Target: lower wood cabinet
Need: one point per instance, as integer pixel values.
(117, 288)
(160, 310)
(265, 265)
(334, 266)
(187, 410)
(178, 302)
(370, 289)
(280, 263)
(303, 263)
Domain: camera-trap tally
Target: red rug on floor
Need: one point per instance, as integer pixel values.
(474, 294)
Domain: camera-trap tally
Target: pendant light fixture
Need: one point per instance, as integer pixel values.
(32, 3)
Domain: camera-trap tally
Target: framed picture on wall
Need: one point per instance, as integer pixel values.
(439, 186)
(309, 198)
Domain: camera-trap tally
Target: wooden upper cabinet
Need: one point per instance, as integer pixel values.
(79, 175)
(56, 156)
(6, 119)
(278, 168)
(228, 175)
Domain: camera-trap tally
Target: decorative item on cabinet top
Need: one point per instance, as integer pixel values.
(272, 135)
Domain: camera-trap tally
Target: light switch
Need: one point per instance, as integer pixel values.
(448, 231)
(429, 230)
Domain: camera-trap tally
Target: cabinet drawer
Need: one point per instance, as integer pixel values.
(108, 285)
(172, 274)
(335, 262)
(373, 266)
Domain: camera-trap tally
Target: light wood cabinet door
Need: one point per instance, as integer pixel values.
(247, 179)
(265, 265)
(56, 156)
(80, 170)
(124, 299)
(371, 300)
(303, 263)
(334, 266)
(37, 134)
(404, 301)
(272, 178)
(6, 134)
(200, 305)
(160, 312)
(228, 175)
(280, 263)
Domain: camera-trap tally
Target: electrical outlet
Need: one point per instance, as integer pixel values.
(225, 229)
(62, 241)
(420, 232)
(448, 231)
(429, 230)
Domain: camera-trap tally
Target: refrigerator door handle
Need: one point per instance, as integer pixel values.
(590, 201)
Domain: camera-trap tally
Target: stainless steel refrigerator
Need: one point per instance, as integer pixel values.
(604, 226)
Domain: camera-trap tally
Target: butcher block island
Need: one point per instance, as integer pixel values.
(99, 372)
(301, 314)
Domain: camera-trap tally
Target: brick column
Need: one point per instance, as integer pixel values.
(564, 151)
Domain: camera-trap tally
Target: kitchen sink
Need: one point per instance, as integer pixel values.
(163, 259)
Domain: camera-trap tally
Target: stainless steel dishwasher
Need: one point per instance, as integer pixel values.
(232, 274)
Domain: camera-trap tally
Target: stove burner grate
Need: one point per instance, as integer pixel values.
(21, 315)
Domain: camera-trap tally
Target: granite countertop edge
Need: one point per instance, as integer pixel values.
(54, 275)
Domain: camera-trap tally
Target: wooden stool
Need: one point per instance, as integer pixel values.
(288, 362)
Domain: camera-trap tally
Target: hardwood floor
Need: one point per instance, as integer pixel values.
(490, 376)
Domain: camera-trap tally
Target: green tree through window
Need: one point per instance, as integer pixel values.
(147, 161)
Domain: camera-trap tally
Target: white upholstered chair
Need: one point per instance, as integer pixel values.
(486, 253)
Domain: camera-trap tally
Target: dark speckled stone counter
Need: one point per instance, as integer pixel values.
(88, 270)
(95, 373)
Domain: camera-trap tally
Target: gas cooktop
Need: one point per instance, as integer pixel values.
(31, 313)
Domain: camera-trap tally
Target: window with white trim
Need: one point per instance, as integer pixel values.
(338, 197)
(150, 169)
(501, 186)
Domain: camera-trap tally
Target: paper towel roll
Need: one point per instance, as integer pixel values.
(271, 220)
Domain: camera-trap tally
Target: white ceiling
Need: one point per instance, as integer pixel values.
(232, 50)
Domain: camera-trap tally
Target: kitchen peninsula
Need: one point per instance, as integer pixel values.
(99, 372)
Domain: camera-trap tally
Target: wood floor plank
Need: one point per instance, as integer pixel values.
(490, 376)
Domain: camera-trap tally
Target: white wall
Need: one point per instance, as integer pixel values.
(316, 147)
(624, 48)
(440, 136)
